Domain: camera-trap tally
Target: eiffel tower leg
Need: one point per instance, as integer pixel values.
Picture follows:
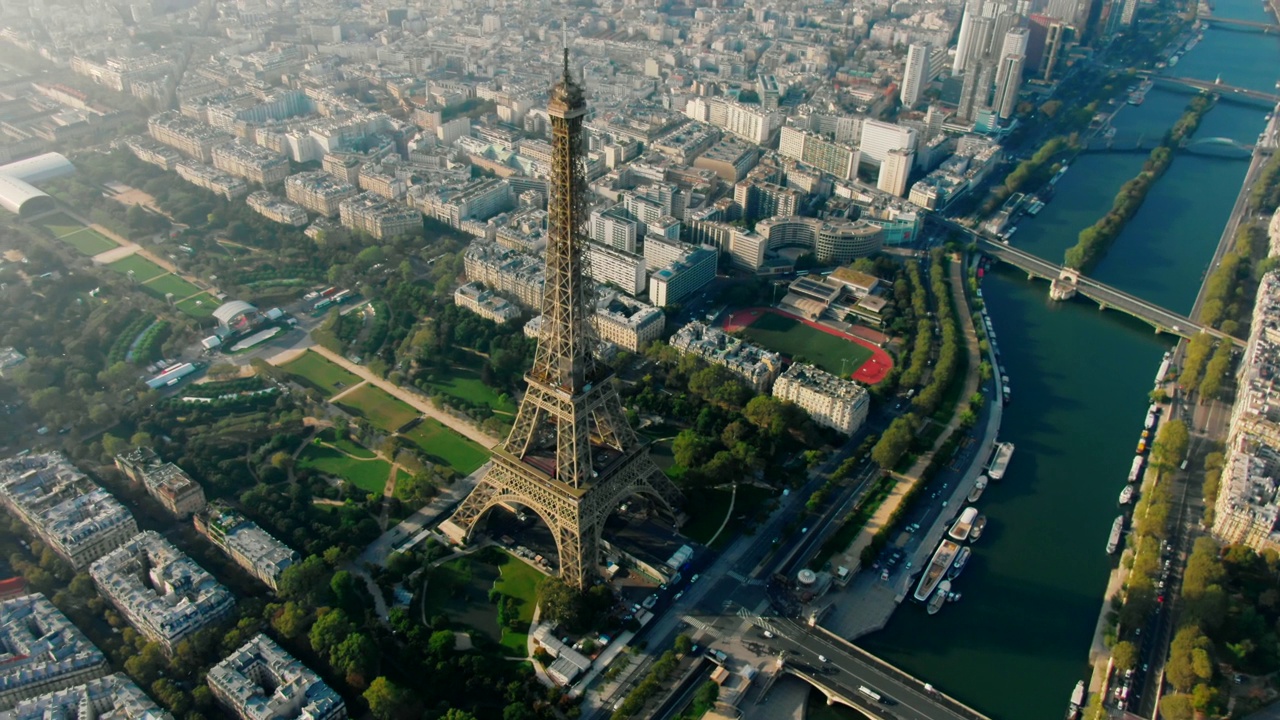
(579, 553)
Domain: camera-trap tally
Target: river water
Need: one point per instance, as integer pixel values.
(1019, 640)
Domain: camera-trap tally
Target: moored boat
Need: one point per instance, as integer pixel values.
(957, 567)
(1135, 470)
(939, 597)
(963, 525)
(978, 526)
(978, 486)
(938, 565)
(1126, 495)
(1000, 461)
(1077, 701)
(1117, 531)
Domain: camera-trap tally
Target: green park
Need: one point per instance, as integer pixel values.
(445, 446)
(378, 407)
(170, 284)
(367, 473)
(465, 384)
(490, 591)
(314, 370)
(142, 268)
(89, 242)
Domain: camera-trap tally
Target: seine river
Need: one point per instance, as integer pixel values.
(1017, 643)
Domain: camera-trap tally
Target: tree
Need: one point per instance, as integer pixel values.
(304, 582)
(356, 655)
(683, 644)
(388, 701)
(330, 629)
(560, 603)
(1124, 655)
(691, 450)
(1171, 445)
(456, 714)
(346, 592)
(441, 643)
(1176, 706)
(894, 442)
(290, 619)
(1189, 660)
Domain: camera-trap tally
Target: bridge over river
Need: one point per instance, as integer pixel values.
(1067, 283)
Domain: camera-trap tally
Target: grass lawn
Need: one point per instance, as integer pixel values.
(351, 447)
(711, 507)
(446, 446)
(143, 269)
(200, 306)
(378, 407)
(89, 242)
(60, 224)
(795, 339)
(519, 580)
(459, 590)
(368, 475)
(315, 370)
(464, 384)
(166, 284)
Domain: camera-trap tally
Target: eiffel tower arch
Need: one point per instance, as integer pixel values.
(571, 457)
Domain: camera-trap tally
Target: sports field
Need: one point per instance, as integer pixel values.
(378, 407)
(836, 352)
(366, 474)
(200, 306)
(795, 339)
(464, 384)
(166, 284)
(443, 445)
(89, 242)
(315, 370)
(143, 269)
(60, 224)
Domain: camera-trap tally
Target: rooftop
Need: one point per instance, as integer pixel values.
(261, 681)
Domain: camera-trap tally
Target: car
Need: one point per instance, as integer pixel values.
(823, 658)
(694, 579)
(679, 595)
(767, 634)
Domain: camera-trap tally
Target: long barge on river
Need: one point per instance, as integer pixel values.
(938, 566)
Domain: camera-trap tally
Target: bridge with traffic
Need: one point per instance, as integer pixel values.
(1215, 146)
(1067, 283)
(1224, 90)
(848, 675)
(1265, 27)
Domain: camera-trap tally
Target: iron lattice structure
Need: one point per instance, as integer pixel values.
(571, 457)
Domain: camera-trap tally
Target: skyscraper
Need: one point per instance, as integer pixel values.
(1009, 84)
(915, 75)
(965, 39)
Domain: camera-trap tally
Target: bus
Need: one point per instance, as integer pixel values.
(869, 693)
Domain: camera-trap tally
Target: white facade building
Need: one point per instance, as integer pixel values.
(879, 137)
(831, 401)
(623, 269)
(41, 651)
(915, 75)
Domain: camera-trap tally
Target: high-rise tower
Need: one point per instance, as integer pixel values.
(571, 457)
(915, 74)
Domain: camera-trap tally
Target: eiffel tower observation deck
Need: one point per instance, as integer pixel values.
(571, 457)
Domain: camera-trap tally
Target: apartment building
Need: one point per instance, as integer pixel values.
(344, 167)
(153, 153)
(211, 179)
(479, 200)
(754, 364)
(379, 217)
(163, 594)
(627, 323)
(276, 209)
(832, 241)
(683, 277)
(169, 484)
(474, 296)
(614, 227)
(512, 273)
(251, 162)
(65, 509)
(114, 697)
(730, 159)
(42, 651)
(190, 137)
(626, 270)
(318, 192)
(253, 548)
(260, 681)
(830, 157)
(831, 401)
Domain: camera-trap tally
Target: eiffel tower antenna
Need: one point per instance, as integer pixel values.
(571, 457)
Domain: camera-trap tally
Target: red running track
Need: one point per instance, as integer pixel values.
(871, 372)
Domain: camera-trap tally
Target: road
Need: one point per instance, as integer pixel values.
(847, 669)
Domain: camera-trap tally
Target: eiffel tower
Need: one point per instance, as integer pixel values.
(571, 457)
